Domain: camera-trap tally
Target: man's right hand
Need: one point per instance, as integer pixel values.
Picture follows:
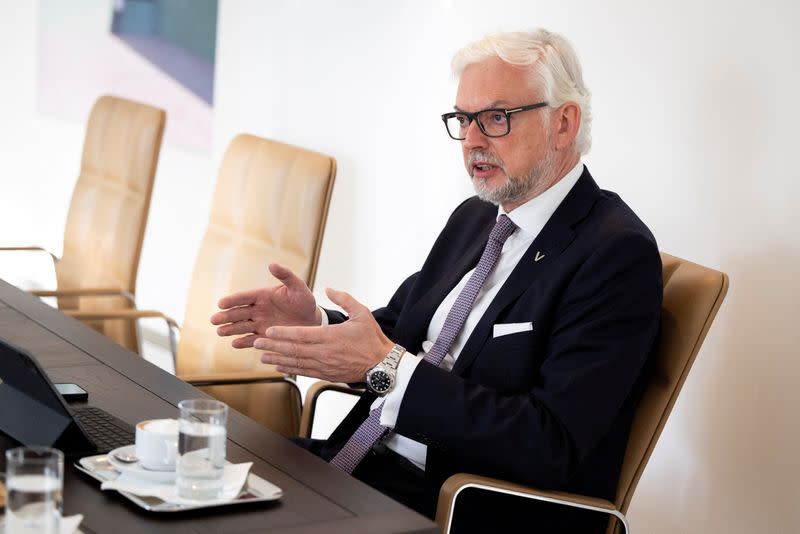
(251, 312)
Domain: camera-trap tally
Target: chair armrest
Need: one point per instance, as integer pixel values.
(31, 249)
(461, 481)
(235, 377)
(310, 405)
(106, 315)
(2, 495)
(86, 292)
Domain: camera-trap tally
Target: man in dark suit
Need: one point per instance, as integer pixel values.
(519, 349)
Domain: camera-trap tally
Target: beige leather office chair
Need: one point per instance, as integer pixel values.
(692, 296)
(270, 204)
(108, 213)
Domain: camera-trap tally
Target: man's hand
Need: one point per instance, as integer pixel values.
(339, 353)
(252, 312)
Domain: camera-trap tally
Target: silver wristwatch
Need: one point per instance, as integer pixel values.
(381, 378)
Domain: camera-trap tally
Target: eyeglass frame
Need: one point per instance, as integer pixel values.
(474, 117)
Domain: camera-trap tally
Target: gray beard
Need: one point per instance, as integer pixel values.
(516, 189)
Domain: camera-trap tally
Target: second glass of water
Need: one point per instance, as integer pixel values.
(34, 482)
(201, 448)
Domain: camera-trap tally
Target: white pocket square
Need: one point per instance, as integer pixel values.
(511, 328)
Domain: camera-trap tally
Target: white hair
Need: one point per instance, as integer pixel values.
(553, 64)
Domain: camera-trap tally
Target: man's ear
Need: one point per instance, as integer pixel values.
(568, 118)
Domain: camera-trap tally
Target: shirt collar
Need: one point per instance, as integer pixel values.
(534, 214)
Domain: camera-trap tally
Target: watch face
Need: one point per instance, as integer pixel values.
(380, 381)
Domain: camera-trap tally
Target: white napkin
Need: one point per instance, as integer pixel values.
(69, 525)
(233, 478)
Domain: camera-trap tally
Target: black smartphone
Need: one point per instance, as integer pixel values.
(72, 392)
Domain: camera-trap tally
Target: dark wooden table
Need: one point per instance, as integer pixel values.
(317, 497)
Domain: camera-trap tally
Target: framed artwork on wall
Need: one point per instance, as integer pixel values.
(160, 52)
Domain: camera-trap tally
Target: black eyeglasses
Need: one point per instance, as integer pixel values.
(492, 122)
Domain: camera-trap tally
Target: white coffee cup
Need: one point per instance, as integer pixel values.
(157, 444)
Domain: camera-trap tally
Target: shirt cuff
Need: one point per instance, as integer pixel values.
(325, 321)
(393, 400)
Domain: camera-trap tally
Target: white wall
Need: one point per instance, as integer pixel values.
(695, 123)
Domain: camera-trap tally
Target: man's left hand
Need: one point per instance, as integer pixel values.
(338, 353)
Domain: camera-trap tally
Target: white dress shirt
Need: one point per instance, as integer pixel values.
(530, 218)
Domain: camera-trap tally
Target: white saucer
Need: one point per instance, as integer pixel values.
(136, 468)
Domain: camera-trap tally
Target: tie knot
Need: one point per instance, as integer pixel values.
(503, 228)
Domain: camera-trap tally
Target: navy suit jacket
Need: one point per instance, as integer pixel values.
(550, 407)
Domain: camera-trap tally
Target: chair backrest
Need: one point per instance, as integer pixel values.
(109, 207)
(270, 204)
(692, 296)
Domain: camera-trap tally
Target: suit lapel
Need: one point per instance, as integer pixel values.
(421, 313)
(556, 235)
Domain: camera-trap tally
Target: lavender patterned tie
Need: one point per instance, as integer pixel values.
(371, 430)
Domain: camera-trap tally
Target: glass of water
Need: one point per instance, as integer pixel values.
(201, 448)
(34, 483)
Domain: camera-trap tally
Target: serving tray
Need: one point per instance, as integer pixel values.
(255, 488)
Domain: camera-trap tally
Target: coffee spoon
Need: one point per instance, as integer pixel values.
(126, 457)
